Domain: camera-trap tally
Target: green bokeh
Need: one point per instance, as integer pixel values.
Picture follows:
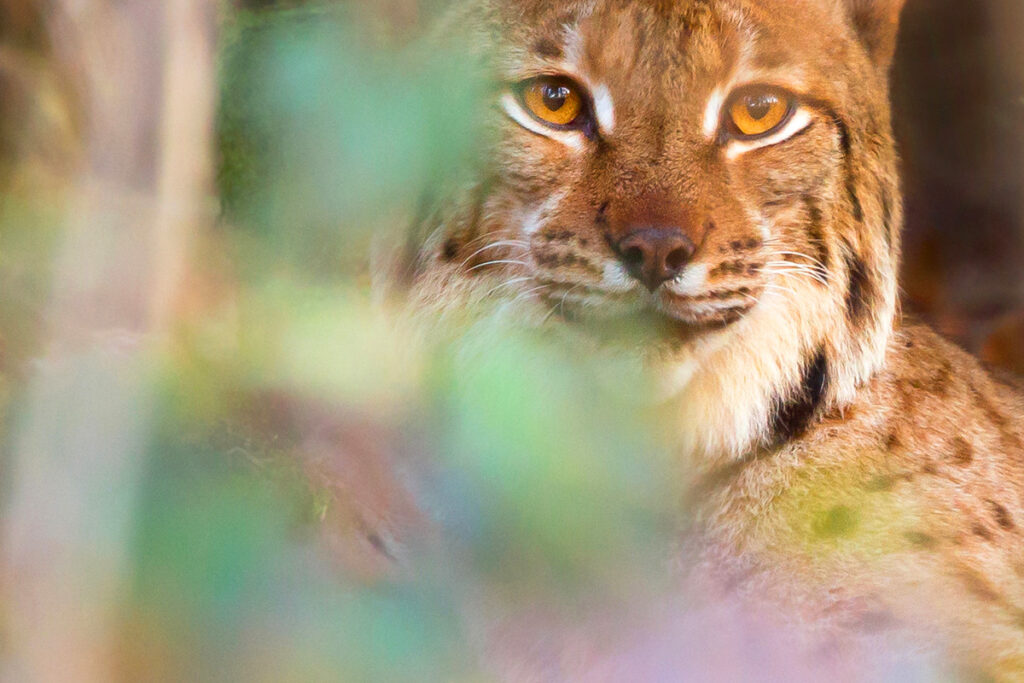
(328, 138)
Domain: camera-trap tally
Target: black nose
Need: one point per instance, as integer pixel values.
(655, 255)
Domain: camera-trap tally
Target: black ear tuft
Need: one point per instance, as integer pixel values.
(877, 24)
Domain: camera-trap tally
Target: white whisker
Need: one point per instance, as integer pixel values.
(801, 255)
(497, 263)
(785, 267)
(561, 303)
(519, 297)
(780, 289)
(493, 245)
(790, 269)
(509, 283)
(749, 296)
(527, 293)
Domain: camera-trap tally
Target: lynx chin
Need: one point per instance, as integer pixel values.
(719, 177)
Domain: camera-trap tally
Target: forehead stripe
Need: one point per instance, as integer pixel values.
(604, 108)
(573, 46)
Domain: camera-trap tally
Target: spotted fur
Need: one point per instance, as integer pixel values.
(849, 455)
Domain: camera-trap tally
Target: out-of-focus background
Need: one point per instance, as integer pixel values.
(959, 97)
(222, 460)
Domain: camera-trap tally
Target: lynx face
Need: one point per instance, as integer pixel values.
(724, 167)
(685, 158)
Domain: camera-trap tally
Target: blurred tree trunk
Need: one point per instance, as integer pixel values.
(144, 71)
(1005, 346)
(959, 98)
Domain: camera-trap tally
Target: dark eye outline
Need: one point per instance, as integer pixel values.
(584, 121)
(728, 126)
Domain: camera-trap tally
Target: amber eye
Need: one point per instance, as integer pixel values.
(755, 112)
(553, 100)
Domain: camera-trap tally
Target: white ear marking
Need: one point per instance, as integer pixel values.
(604, 108)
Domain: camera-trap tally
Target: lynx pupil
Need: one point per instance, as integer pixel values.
(759, 107)
(555, 96)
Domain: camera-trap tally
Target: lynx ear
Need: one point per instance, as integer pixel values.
(877, 24)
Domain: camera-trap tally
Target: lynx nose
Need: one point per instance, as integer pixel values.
(655, 255)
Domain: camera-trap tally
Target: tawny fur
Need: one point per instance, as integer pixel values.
(855, 469)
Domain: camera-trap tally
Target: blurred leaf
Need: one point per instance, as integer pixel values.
(327, 140)
(556, 483)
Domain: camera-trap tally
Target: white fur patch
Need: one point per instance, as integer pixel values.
(691, 281)
(604, 108)
(616, 279)
(800, 120)
(764, 226)
(570, 138)
(713, 113)
(536, 218)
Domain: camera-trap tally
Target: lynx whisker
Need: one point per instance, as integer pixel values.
(507, 283)
(494, 245)
(785, 268)
(561, 303)
(808, 266)
(527, 293)
(497, 262)
(780, 289)
(801, 255)
(753, 298)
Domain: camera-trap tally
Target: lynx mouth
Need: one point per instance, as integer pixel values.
(716, 309)
(656, 318)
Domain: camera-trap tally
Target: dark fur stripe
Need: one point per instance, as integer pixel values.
(846, 144)
(545, 47)
(887, 223)
(794, 416)
(816, 234)
(861, 288)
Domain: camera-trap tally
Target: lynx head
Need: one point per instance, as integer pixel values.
(722, 167)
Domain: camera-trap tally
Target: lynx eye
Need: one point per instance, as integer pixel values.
(756, 112)
(554, 100)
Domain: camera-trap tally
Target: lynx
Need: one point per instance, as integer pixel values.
(721, 174)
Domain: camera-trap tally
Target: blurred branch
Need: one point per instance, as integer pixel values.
(186, 173)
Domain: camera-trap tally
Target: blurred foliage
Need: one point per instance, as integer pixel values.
(329, 136)
(542, 482)
(227, 585)
(547, 487)
(565, 481)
